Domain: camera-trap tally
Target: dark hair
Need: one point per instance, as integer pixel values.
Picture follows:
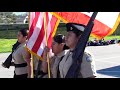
(65, 47)
(77, 33)
(59, 38)
(24, 32)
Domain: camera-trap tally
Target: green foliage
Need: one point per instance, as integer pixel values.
(7, 17)
(9, 31)
(108, 37)
(61, 29)
(8, 35)
(13, 26)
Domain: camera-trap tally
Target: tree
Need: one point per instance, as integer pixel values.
(7, 17)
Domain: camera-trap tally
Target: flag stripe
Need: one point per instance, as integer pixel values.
(40, 50)
(52, 22)
(31, 18)
(37, 38)
(107, 18)
(115, 26)
(100, 29)
(37, 14)
(36, 32)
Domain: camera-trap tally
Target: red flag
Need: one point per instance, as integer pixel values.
(36, 38)
(104, 24)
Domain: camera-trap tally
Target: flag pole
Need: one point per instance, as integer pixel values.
(32, 73)
(46, 36)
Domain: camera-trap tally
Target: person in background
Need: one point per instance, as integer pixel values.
(22, 57)
(8, 62)
(37, 65)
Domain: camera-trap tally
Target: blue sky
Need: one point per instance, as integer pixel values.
(19, 13)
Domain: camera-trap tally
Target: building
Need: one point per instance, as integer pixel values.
(22, 19)
(25, 20)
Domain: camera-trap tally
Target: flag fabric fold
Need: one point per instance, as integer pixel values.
(36, 38)
(105, 23)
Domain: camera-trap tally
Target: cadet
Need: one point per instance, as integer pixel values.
(22, 57)
(8, 62)
(87, 70)
(37, 66)
(58, 48)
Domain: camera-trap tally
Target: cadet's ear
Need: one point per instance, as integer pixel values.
(62, 44)
(25, 37)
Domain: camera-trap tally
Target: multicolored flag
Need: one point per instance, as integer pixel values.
(36, 38)
(105, 23)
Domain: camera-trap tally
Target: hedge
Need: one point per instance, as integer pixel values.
(10, 30)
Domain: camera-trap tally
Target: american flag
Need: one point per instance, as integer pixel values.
(36, 38)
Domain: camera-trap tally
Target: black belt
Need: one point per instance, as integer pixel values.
(20, 65)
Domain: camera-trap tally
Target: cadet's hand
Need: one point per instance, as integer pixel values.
(46, 50)
(4, 65)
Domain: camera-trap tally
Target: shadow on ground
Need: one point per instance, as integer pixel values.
(112, 71)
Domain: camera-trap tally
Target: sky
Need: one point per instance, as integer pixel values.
(19, 13)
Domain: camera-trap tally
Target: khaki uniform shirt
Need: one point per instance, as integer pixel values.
(19, 58)
(87, 65)
(55, 62)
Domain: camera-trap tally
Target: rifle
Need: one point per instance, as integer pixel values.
(7, 63)
(73, 71)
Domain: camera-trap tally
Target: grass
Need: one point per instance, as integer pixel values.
(108, 38)
(112, 37)
(6, 45)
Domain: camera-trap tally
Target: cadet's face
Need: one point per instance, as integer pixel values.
(71, 39)
(56, 47)
(20, 37)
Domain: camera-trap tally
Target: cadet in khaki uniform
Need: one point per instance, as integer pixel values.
(37, 66)
(87, 70)
(58, 48)
(22, 57)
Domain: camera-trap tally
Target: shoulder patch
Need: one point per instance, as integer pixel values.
(88, 58)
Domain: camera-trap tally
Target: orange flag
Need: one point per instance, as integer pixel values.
(105, 23)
